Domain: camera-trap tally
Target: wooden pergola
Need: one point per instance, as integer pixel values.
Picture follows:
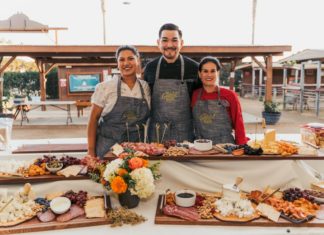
(47, 57)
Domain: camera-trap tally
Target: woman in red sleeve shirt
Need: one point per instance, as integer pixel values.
(216, 111)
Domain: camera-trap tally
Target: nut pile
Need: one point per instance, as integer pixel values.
(121, 215)
(176, 151)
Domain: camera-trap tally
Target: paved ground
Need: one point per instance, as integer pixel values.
(52, 123)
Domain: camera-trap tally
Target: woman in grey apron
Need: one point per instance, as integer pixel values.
(171, 113)
(211, 118)
(125, 120)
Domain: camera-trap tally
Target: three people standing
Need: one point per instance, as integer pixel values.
(181, 109)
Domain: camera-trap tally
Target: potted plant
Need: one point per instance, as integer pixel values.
(271, 112)
(130, 177)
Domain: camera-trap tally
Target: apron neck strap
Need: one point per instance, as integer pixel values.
(158, 68)
(218, 94)
(119, 87)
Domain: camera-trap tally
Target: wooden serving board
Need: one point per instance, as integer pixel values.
(40, 178)
(109, 156)
(51, 148)
(160, 218)
(34, 225)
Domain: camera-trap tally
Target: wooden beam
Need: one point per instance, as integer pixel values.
(64, 50)
(51, 66)
(3, 68)
(268, 95)
(259, 63)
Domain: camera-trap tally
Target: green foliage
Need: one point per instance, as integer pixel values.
(271, 107)
(27, 83)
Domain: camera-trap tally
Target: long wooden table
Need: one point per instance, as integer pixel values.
(37, 104)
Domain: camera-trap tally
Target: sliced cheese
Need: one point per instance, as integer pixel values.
(117, 149)
(268, 211)
(269, 136)
(70, 170)
(94, 208)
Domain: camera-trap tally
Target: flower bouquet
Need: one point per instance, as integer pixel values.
(131, 177)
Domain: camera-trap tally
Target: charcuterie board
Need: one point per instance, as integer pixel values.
(34, 225)
(160, 218)
(109, 156)
(39, 178)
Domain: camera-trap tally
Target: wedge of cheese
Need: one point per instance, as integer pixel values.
(268, 211)
(269, 136)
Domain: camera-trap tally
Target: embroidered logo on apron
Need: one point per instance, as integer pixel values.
(206, 118)
(169, 96)
(129, 116)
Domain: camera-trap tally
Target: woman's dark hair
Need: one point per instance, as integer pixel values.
(127, 48)
(170, 26)
(207, 59)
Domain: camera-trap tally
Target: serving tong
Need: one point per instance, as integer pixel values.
(127, 131)
(145, 132)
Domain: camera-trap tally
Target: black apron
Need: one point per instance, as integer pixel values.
(171, 113)
(211, 120)
(123, 123)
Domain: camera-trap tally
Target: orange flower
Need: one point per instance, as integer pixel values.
(118, 185)
(135, 162)
(145, 163)
(122, 171)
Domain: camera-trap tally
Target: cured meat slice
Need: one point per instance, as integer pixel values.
(188, 213)
(75, 211)
(46, 216)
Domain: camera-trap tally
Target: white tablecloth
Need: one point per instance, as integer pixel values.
(203, 175)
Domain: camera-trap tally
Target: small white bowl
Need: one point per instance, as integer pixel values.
(60, 205)
(54, 169)
(185, 198)
(203, 144)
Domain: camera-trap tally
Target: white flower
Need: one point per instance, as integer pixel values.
(111, 169)
(144, 182)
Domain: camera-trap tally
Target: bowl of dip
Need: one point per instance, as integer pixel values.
(60, 205)
(203, 144)
(185, 198)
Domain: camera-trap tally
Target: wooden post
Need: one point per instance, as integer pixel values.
(1, 86)
(2, 69)
(268, 95)
(42, 81)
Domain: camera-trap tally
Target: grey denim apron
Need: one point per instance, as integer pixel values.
(211, 120)
(123, 123)
(171, 113)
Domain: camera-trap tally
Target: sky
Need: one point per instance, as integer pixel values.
(205, 22)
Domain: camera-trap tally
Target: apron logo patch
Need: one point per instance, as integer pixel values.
(206, 118)
(170, 96)
(130, 116)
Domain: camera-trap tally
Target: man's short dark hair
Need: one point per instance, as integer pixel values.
(170, 26)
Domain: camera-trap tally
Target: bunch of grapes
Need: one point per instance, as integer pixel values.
(252, 151)
(69, 161)
(45, 159)
(231, 148)
(79, 198)
(293, 194)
